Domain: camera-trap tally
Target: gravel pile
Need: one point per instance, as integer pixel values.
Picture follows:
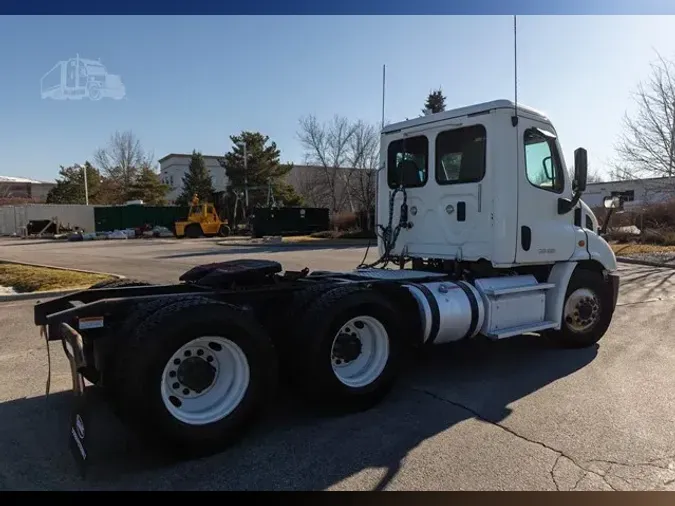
(663, 258)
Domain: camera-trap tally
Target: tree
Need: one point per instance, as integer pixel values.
(345, 154)
(435, 102)
(69, 187)
(592, 176)
(263, 168)
(121, 160)
(327, 146)
(364, 156)
(148, 187)
(646, 148)
(197, 180)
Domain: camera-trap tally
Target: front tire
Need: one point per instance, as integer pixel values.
(193, 231)
(348, 349)
(183, 361)
(587, 311)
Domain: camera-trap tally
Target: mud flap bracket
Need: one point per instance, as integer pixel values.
(79, 429)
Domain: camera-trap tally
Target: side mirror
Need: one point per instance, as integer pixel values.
(612, 202)
(580, 169)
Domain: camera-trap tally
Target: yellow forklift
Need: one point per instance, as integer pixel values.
(202, 221)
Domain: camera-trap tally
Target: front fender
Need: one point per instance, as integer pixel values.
(600, 251)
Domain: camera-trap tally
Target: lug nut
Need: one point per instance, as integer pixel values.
(176, 361)
(186, 391)
(209, 358)
(176, 385)
(200, 352)
(172, 374)
(187, 353)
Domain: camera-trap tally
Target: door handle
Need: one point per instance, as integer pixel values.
(461, 211)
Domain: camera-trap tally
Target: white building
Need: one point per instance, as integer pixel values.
(24, 188)
(634, 192)
(175, 165)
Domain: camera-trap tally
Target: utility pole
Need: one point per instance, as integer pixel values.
(86, 189)
(243, 144)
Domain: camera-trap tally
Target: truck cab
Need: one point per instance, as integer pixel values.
(487, 183)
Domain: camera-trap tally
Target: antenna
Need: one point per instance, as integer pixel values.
(515, 70)
(384, 80)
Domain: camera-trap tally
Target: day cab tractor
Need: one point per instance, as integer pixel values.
(202, 221)
(482, 232)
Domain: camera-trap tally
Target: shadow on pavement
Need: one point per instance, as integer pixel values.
(292, 449)
(254, 250)
(651, 281)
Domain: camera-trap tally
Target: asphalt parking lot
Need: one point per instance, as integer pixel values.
(510, 415)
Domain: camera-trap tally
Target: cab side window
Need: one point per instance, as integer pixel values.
(542, 161)
(415, 151)
(460, 155)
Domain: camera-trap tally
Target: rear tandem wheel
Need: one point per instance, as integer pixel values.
(347, 349)
(195, 374)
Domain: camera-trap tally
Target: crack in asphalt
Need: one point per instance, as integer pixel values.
(604, 476)
(576, 483)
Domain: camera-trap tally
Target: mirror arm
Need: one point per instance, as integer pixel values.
(603, 229)
(566, 205)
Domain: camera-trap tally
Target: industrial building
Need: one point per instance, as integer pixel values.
(24, 188)
(636, 192)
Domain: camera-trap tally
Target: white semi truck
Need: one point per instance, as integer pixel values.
(481, 232)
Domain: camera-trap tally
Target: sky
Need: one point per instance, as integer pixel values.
(191, 81)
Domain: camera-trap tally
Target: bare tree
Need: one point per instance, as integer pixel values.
(309, 183)
(592, 177)
(647, 146)
(122, 159)
(327, 147)
(364, 157)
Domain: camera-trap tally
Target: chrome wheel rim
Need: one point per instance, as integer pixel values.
(582, 310)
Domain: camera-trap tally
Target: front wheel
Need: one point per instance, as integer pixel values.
(587, 311)
(348, 348)
(193, 231)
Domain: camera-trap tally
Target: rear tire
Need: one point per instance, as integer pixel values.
(193, 231)
(348, 327)
(224, 231)
(587, 311)
(151, 351)
(116, 358)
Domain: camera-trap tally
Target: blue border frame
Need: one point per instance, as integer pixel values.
(457, 7)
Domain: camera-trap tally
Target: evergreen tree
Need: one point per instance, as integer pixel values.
(262, 168)
(435, 102)
(148, 187)
(69, 187)
(197, 180)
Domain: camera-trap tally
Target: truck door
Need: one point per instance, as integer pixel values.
(543, 235)
(446, 206)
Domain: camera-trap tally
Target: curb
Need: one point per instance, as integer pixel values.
(44, 266)
(49, 293)
(37, 295)
(646, 263)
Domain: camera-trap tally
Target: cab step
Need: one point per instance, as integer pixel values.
(519, 330)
